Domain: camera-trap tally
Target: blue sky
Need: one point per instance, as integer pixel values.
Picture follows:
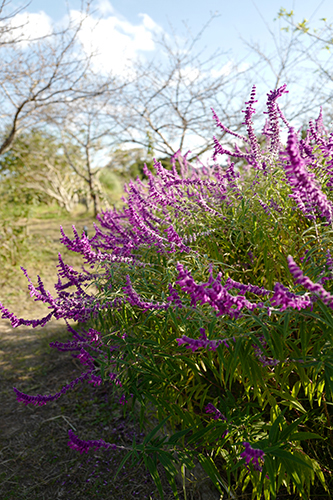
(127, 27)
(238, 17)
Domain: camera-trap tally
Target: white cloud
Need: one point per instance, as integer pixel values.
(224, 71)
(29, 26)
(105, 7)
(115, 41)
(228, 68)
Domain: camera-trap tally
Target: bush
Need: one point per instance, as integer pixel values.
(211, 303)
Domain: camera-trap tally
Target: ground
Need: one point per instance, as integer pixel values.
(35, 459)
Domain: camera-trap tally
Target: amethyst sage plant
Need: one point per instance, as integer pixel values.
(208, 298)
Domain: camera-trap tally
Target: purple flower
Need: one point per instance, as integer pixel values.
(202, 341)
(174, 297)
(274, 113)
(213, 293)
(84, 446)
(252, 455)
(315, 288)
(283, 297)
(305, 189)
(40, 400)
(114, 378)
(249, 111)
(210, 408)
(135, 300)
(230, 283)
(259, 354)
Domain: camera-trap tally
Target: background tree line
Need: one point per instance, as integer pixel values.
(70, 134)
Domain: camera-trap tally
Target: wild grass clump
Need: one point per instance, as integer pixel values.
(209, 298)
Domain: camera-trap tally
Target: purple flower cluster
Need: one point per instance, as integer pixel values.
(274, 113)
(202, 341)
(81, 343)
(135, 300)
(174, 297)
(230, 284)
(40, 400)
(259, 354)
(271, 131)
(114, 378)
(249, 111)
(77, 306)
(284, 298)
(252, 455)
(146, 220)
(84, 446)
(315, 288)
(213, 293)
(305, 189)
(210, 408)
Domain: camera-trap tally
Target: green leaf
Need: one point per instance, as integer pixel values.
(299, 436)
(175, 437)
(289, 456)
(122, 463)
(154, 474)
(274, 430)
(209, 466)
(155, 430)
(290, 428)
(269, 465)
(292, 401)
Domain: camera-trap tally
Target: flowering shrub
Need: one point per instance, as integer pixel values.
(209, 296)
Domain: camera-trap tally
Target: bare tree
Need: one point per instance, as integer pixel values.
(171, 97)
(296, 58)
(36, 75)
(87, 132)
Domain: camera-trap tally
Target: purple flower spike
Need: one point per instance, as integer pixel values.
(213, 293)
(273, 112)
(306, 191)
(210, 408)
(262, 358)
(283, 297)
(252, 455)
(40, 400)
(84, 446)
(202, 341)
(249, 111)
(315, 288)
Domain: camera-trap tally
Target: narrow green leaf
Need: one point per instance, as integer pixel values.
(122, 463)
(289, 456)
(154, 474)
(299, 436)
(155, 430)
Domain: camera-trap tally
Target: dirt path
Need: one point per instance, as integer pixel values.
(35, 460)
